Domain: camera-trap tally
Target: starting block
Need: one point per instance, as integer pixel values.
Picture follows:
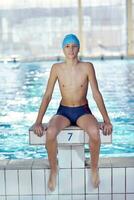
(71, 135)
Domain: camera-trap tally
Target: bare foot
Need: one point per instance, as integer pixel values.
(52, 181)
(95, 178)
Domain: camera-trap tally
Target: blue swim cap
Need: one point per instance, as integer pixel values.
(70, 38)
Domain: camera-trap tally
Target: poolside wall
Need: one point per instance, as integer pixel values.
(27, 180)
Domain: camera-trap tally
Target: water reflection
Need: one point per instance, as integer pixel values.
(21, 90)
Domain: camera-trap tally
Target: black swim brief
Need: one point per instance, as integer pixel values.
(73, 113)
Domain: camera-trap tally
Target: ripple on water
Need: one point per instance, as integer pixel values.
(22, 91)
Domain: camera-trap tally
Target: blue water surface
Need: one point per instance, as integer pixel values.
(22, 86)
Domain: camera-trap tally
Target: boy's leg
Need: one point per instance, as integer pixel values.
(90, 125)
(55, 125)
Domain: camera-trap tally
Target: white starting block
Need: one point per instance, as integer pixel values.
(71, 135)
(71, 145)
(73, 176)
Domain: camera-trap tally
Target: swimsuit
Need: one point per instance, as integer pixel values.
(73, 113)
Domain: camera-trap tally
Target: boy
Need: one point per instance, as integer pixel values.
(73, 77)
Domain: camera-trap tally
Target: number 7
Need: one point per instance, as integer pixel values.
(70, 135)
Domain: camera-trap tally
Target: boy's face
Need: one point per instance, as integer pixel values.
(71, 50)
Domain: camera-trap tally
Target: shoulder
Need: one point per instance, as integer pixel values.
(56, 66)
(56, 69)
(88, 66)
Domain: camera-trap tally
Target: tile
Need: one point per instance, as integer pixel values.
(78, 197)
(89, 188)
(39, 197)
(3, 163)
(118, 180)
(2, 183)
(122, 162)
(130, 197)
(12, 198)
(65, 197)
(64, 156)
(129, 180)
(78, 181)
(47, 171)
(38, 181)
(40, 164)
(2, 198)
(118, 196)
(25, 182)
(105, 180)
(25, 198)
(65, 181)
(52, 197)
(20, 164)
(78, 156)
(105, 197)
(12, 182)
(103, 162)
(92, 197)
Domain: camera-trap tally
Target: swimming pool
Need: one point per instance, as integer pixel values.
(21, 90)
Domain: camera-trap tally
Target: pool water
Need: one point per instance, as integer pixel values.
(21, 89)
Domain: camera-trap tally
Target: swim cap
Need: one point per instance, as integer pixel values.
(70, 38)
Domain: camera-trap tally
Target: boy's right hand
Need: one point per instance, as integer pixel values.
(38, 129)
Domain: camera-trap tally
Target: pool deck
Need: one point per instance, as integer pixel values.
(27, 180)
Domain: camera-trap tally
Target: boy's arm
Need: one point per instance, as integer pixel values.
(46, 99)
(99, 99)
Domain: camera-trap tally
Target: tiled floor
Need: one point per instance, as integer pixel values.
(71, 197)
(27, 180)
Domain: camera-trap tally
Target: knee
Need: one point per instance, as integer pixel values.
(51, 134)
(94, 135)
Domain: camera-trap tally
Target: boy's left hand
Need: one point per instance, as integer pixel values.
(106, 127)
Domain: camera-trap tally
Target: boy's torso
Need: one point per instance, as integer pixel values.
(73, 83)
